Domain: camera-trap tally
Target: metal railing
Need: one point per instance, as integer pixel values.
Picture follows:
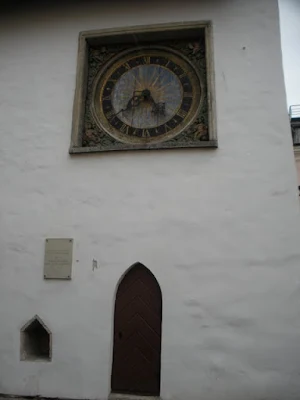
(294, 111)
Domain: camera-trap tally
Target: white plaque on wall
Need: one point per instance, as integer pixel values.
(58, 258)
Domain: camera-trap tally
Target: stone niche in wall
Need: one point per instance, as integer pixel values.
(36, 341)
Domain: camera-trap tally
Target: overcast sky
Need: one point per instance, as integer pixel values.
(290, 38)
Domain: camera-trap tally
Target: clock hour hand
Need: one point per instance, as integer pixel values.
(157, 108)
(145, 95)
(132, 103)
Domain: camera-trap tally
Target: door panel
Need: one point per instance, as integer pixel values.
(137, 334)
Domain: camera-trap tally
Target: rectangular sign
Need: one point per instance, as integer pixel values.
(58, 258)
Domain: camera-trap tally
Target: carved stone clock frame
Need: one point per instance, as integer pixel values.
(98, 49)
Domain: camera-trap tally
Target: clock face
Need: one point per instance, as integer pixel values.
(146, 95)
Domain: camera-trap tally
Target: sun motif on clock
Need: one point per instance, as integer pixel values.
(146, 95)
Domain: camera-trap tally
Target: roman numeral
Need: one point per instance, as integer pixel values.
(146, 59)
(125, 129)
(145, 133)
(110, 114)
(107, 97)
(182, 113)
(167, 127)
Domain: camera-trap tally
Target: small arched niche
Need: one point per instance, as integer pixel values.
(36, 341)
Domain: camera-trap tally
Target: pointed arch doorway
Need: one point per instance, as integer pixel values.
(137, 334)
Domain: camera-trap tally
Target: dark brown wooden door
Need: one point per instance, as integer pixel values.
(137, 334)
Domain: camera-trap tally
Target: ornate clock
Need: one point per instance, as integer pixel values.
(147, 95)
(150, 95)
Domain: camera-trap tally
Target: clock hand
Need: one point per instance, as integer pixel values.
(135, 101)
(157, 108)
(132, 103)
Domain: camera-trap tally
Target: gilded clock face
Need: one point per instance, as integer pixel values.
(146, 95)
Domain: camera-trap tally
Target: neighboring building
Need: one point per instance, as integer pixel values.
(294, 113)
(172, 272)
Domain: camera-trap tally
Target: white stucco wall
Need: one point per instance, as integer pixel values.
(218, 228)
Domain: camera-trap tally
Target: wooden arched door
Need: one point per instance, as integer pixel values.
(137, 334)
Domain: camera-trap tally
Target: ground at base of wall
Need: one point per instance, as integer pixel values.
(116, 396)
(112, 396)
